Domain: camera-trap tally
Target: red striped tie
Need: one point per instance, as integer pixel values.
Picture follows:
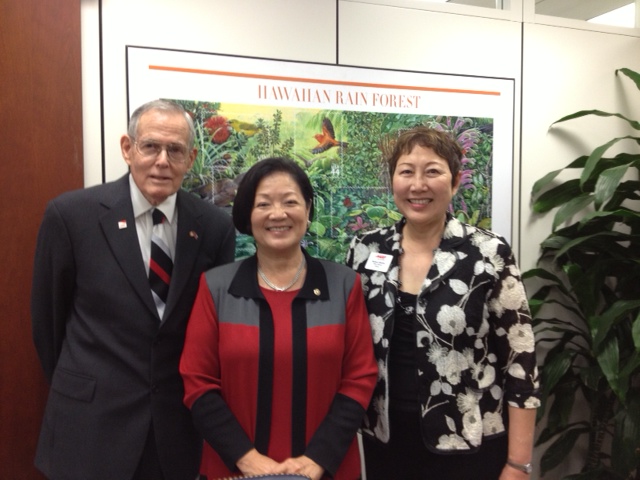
(160, 263)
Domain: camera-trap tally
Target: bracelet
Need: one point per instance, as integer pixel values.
(523, 467)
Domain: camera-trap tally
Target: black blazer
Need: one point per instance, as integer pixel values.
(111, 363)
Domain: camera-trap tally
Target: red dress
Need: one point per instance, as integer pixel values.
(224, 355)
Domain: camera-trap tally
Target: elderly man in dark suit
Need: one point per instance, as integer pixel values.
(109, 344)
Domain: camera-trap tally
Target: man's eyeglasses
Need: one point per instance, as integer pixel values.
(176, 153)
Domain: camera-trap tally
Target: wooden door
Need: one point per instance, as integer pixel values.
(40, 157)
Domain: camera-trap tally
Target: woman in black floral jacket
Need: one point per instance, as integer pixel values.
(458, 384)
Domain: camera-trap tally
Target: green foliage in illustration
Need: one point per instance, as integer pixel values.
(267, 141)
(342, 152)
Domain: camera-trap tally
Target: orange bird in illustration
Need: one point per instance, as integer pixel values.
(327, 138)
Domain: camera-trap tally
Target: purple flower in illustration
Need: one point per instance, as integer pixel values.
(467, 139)
(465, 179)
(359, 225)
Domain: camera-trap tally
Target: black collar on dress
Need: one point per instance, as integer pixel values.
(315, 287)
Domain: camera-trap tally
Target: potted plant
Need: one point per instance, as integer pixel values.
(585, 304)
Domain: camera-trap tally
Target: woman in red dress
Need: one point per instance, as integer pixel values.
(278, 361)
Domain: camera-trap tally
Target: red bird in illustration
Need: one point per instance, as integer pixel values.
(327, 138)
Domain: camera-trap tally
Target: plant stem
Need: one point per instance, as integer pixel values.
(600, 415)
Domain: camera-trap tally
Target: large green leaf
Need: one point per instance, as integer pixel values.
(627, 190)
(558, 450)
(559, 325)
(630, 367)
(599, 113)
(587, 285)
(536, 305)
(608, 182)
(619, 215)
(548, 433)
(602, 164)
(635, 329)
(554, 241)
(554, 368)
(626, 437)
(596, 155)
(557, 196)
(548, 294)
(602, 324)
(591, 376)
(570, 208)
(580, 241)
(609, 361)
(544, 181)
(563, 400)
(542, 338)
(635, 76)
(541, 273)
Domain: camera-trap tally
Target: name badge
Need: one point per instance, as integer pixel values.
(378, 262)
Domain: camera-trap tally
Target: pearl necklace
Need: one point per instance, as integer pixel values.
(289, 285)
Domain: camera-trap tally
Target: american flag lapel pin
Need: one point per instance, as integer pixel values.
(122, 224)
(193, 234)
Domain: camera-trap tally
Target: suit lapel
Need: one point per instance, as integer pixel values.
(188, 243)
(119, 227)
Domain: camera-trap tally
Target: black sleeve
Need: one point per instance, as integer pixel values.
(220, 428)
(332, 439)
(53, 288)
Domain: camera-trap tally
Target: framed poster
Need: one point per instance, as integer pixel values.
(338, 123)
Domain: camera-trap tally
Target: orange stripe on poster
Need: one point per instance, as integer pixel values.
(326, 82)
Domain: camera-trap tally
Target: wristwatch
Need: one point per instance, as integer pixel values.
(523, 467)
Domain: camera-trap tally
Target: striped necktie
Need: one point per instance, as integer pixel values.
(160, 263)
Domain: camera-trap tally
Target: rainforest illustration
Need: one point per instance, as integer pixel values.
(343, 153)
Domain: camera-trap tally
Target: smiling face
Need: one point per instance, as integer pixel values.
(279, 215)
(156, 176)
(423, 187)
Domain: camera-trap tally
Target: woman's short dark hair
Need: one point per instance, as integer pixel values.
(442, 143)
(246, 193)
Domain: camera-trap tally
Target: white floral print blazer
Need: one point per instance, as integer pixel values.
(474, 336)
